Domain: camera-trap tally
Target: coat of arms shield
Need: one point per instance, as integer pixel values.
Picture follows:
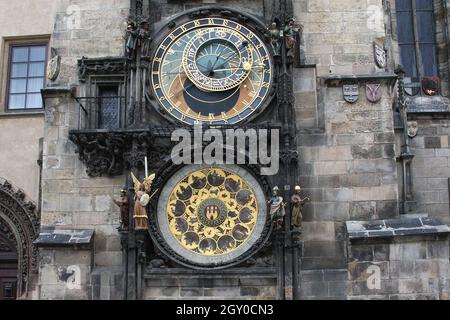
(374, 92)
(412, 86)
(351, 92)
(380, 55)
(430, 85)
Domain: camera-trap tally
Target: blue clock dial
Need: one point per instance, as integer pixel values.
(213, 71)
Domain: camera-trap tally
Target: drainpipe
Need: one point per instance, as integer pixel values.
(40, 163)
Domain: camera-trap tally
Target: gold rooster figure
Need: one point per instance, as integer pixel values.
(141, 199)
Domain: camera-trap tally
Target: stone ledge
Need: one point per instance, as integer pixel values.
(428, 105)
(245, 272)
(57, 90)
(395, 228)
(336, 80)
(23, 114)
(75, 238)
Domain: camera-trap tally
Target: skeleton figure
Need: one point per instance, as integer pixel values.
(275, 34)
(277, 205)
(297, 206)
(141, 200)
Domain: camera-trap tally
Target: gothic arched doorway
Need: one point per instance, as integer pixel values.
(8, 266)
(19, 227)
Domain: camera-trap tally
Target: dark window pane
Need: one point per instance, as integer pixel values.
(408, 60)
(403, 4)
(36, 69)
(19, 70)
(429, 63)
(37, 53)
(18, 86)
(16, 101)
(20, 54)
(34, 100)
(425, 27)
(8, 291)
(405, 27)
(35, 84)
(423, 4)
(109, 108)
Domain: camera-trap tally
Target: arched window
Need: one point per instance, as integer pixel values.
(417, 37)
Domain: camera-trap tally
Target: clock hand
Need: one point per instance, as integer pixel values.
(228, 69)
(217, 58)
(244, 44)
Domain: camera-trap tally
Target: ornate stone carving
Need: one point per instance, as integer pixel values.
(101, 152)
(19, 222)
(109, 153)
(108, 65)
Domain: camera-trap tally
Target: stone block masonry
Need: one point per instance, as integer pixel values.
(404, 259)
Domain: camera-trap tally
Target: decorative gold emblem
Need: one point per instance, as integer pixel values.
(212, 211)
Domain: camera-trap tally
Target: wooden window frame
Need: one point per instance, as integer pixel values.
(5, 68)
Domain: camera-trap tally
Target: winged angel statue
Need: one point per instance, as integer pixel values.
(141, 199)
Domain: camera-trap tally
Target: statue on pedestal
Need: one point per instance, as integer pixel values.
(277, 211)
(123, 204)
(141, 200)
(290, 31)
(297, 206)
(132, 34)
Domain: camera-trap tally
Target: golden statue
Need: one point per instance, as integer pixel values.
(297, 206)
(141, 200)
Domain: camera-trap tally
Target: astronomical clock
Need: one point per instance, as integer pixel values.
(218, 67)
(212, 71)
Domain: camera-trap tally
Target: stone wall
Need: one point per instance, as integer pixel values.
(87, 28)
(58, 269)
(408, 270)
(71, 198)
(339, 34)
(347, 151)
(431, 167)
(228, 286)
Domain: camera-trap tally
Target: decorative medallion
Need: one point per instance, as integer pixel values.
(374, 92)
(430, 85)
(412, 86)
(212, 215)
(379, 54)
(351, 92)
(211, 70)
(53, 68)
(413, 127)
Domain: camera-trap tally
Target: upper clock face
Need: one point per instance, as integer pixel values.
(212, 71)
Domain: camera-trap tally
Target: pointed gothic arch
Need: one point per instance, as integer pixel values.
(19, 222)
